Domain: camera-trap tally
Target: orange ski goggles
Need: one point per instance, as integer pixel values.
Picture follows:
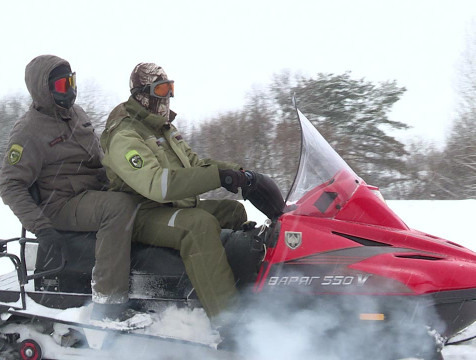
(162, 89)
(63, 83)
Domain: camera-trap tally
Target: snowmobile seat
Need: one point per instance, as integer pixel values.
(79, 247)
(72, 269)
(156, 272)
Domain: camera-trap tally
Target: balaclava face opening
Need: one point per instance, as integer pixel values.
(145, 74)
(64, 100)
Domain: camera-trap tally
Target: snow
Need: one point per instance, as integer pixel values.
(452, 220)
(171, 322)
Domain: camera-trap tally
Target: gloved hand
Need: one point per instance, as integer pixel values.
(248, 225)
(264, 194)
(252, 177)
(233, 179)
(50, 241)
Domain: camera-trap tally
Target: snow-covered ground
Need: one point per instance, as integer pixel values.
(452, 220)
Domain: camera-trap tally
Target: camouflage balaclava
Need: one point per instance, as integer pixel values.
(142, 75)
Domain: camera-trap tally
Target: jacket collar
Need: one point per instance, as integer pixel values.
(138, 112)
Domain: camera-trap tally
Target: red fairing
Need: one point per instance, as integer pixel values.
(339, 243)
(442, 273)
(347, 197)
(365, 207)
(363, 237)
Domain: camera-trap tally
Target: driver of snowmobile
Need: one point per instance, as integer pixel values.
(146, 156)
(55, 147)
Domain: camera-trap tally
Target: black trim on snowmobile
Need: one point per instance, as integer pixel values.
(361, 241)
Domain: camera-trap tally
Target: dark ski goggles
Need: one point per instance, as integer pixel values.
(63, 83)
(161, 89)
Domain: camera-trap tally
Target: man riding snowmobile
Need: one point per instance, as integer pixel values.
(54, 147)
(146, 156)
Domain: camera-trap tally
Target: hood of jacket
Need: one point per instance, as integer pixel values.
(37, 73)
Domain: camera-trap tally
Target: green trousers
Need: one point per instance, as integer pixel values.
(195, 232)
(111, 214)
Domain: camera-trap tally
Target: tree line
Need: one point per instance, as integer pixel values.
(351, 113)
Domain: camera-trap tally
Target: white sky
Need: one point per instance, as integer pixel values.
(216, 51)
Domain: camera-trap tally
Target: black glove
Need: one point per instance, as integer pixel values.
(248, 225)
(264, 194)
(50, 241)
(252, 177)
(233, 179)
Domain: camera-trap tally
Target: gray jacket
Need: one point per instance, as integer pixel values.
(52, 146)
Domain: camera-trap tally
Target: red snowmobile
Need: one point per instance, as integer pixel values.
(333, 248)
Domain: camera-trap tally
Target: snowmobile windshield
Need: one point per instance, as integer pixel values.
(319, 167)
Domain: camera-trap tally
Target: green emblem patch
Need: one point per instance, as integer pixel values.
(134, 159)
(14, 154)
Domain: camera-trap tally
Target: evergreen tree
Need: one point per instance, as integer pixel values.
(352, 114)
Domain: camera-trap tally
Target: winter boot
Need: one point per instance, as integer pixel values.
(118, 317)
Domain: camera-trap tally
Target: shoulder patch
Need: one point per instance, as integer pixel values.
(134, 159)
(14, 154)
(175, 134)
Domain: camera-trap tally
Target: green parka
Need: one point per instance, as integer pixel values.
(147, 157)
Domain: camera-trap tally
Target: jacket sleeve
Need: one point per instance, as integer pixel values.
(130, 158)
(16, 178)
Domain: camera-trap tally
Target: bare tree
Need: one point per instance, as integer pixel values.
(12, 107)
(96, 102)
(460, 151)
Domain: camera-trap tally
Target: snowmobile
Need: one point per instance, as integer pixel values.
(332, 247)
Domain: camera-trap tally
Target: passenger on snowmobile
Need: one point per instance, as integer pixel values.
(54, 147)
(145, 155)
